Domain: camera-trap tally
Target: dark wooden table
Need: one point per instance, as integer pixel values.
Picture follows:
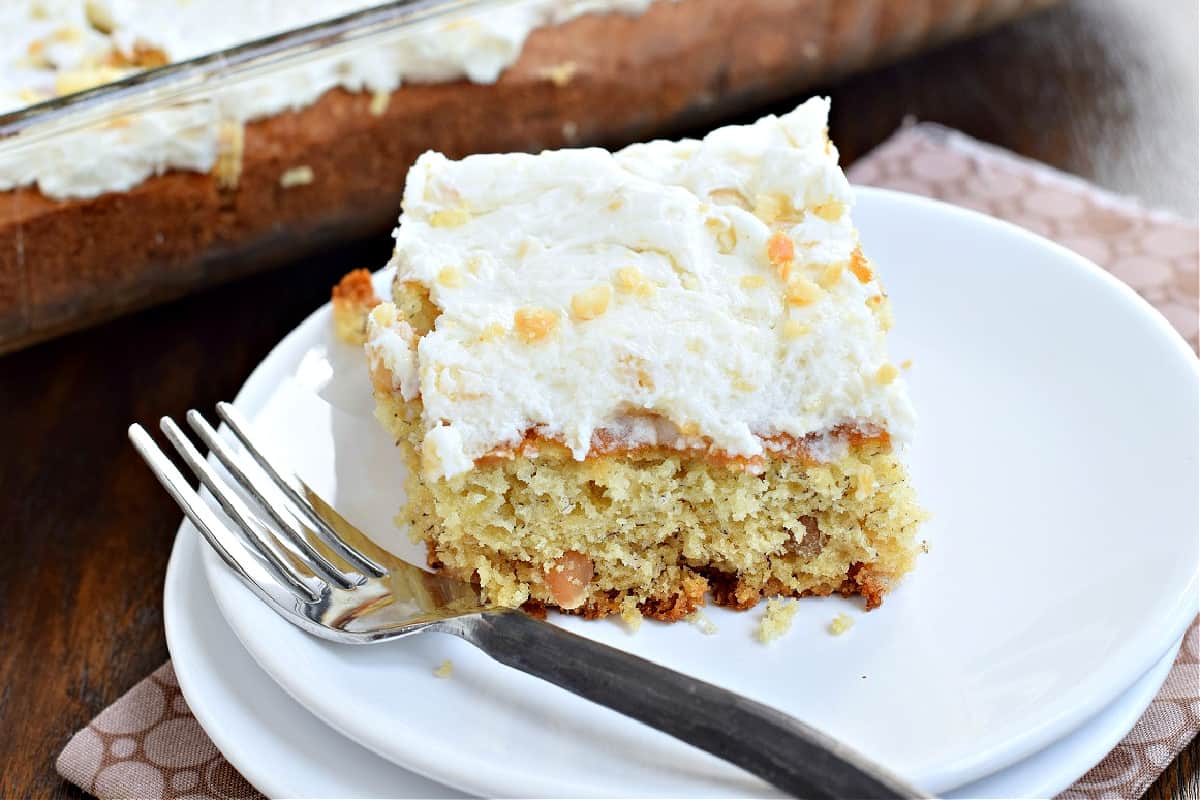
(1104, 89)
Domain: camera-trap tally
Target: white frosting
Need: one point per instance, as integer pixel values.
(87, 163)
(39, 40)
(708, 352)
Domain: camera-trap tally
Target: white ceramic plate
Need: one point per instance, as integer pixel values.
(1056, 451)
(287, 752)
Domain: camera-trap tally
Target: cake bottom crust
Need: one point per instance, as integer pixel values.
(725, 590)
(656, 533)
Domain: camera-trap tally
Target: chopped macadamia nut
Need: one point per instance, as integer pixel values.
(231, 142)
(591, 303)
(886, 374)
(77, 80)
(768, 207)
(379, 103)
(449, 217)
(296, 176)
(560, 74)
(729, 197)
(840, 624)
(725, 234)
(780, 249)
(450, 277)
(858, 265)
(802, 292)
(629, 279)
(829, 211)
(568, 579)
(535, 324)
(794, 329)
(492, 332)
(831, 275)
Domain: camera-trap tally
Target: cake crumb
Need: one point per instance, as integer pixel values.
(631, 615)
(296, 176)
(444, 669)
(777, 620)
(840, 624)
(353, 299)
(864, 482)
(702, 622)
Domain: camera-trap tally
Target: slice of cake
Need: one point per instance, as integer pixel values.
(623, 381)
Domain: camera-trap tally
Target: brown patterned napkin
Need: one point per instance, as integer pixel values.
(148, 744)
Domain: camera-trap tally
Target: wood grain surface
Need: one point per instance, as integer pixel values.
(1105, 89)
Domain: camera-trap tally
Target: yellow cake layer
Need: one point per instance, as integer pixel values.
(663, 528)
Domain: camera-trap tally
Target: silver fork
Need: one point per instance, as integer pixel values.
(321, 574)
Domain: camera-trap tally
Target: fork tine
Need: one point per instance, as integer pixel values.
(233, 506)
(256, 487)
(214, 531)
(238, 424)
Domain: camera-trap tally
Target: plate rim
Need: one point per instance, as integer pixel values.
(1130, 663)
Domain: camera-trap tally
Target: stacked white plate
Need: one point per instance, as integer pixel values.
(1056, 450)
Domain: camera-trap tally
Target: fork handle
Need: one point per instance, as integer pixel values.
(780, 749)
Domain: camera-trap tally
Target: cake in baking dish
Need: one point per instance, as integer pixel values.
(623, 382)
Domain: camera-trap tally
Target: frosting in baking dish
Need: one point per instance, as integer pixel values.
(55, 47)
(715, 285)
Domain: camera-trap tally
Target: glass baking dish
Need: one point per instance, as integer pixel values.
(182, 175)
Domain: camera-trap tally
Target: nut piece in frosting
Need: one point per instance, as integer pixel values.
(780, 249)
(802, 292)
(535, 324)
(591, 303)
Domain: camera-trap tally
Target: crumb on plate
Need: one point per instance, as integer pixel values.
(702, 622)
(631, 615)
(777, 620)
